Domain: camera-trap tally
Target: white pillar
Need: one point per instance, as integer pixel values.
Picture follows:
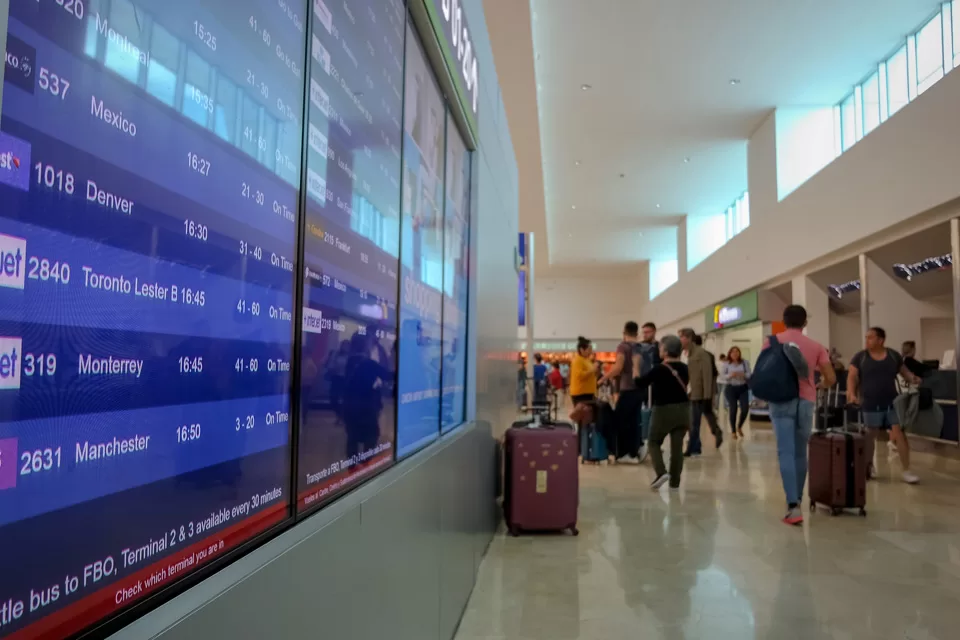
(531, 271)
(682, 248)
(864, 263)
(955, 276)
(817, 303)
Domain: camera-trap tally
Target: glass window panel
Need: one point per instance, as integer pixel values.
(871, 103)
(858, 112)
(930, 54)
(956, 33)
(197, 101)
(746, 209)
(946, 17)
(164, 62)
(897, 81)
(250, 140)
(848, 122)
(268, 133)
(912, 67)
(125, 60)
(884, 100)
(225, 114)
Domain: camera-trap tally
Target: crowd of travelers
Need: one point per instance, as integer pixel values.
(659, 390)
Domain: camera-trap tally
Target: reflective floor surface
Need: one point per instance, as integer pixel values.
(714, 561)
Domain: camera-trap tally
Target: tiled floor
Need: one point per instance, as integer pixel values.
(714, 561)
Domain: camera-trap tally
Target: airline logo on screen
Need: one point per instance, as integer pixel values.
(319, 98)
(312, 320)
(14, 162)
(323, 15)
(13, 254)
(316, 185)
(320, 54)
(10, 349)
(318, 141)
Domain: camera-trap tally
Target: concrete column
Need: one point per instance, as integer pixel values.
(817, 303)
(531, 280)
(863, 263)
(955, 275)
(682, 248)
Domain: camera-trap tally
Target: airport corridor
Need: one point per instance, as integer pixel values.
(713, 560)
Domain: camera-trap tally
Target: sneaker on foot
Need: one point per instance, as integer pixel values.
(910, 478)
(659, 481)
(642, 454)
(628, 459)
(740, 433)
(794, 517)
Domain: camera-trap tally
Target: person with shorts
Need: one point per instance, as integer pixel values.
(628, 443)
(872, 383)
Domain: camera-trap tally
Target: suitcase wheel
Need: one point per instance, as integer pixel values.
(813, 507)
(513, 531)
(574, 531)
(835, 511)
(863, 512)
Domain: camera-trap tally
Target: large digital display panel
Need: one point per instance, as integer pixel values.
(149, 172)
(421, 254)
(456, 264)
(351, 245)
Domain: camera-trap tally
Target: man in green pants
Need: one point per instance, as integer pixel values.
(671, 411)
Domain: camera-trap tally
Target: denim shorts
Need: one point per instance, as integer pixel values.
(880, 419)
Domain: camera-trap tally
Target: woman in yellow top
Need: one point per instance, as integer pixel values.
(583, 375)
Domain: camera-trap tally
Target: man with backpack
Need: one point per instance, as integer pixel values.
(703, 383)
(628, 441)
(783, 376)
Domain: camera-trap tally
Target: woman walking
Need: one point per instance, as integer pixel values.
(736, 370)
(671, 410)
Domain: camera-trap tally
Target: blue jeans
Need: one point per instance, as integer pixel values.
(792, 424)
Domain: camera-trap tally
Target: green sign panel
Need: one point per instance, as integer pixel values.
(730, 313)
(453, 33)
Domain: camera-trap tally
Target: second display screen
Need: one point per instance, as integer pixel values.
(351, 245)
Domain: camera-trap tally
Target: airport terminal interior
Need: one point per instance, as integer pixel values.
(479, 319)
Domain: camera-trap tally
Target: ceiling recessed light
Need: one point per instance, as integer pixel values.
(640, 234)
(623, 175)
(585, 87)
(573, 207)
(686, 160)
(658, 206)
(577, 162)
(734, 81)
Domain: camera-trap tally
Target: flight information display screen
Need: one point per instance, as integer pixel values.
(456, 263)
(150, 157)
(351, 245)
(421, 241)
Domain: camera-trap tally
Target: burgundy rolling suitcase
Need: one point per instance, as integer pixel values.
(838, 471)
(542, 485)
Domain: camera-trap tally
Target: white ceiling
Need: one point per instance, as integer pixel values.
(660, 73)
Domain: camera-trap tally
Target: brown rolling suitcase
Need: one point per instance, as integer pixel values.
(541, 481)
(838, 471)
